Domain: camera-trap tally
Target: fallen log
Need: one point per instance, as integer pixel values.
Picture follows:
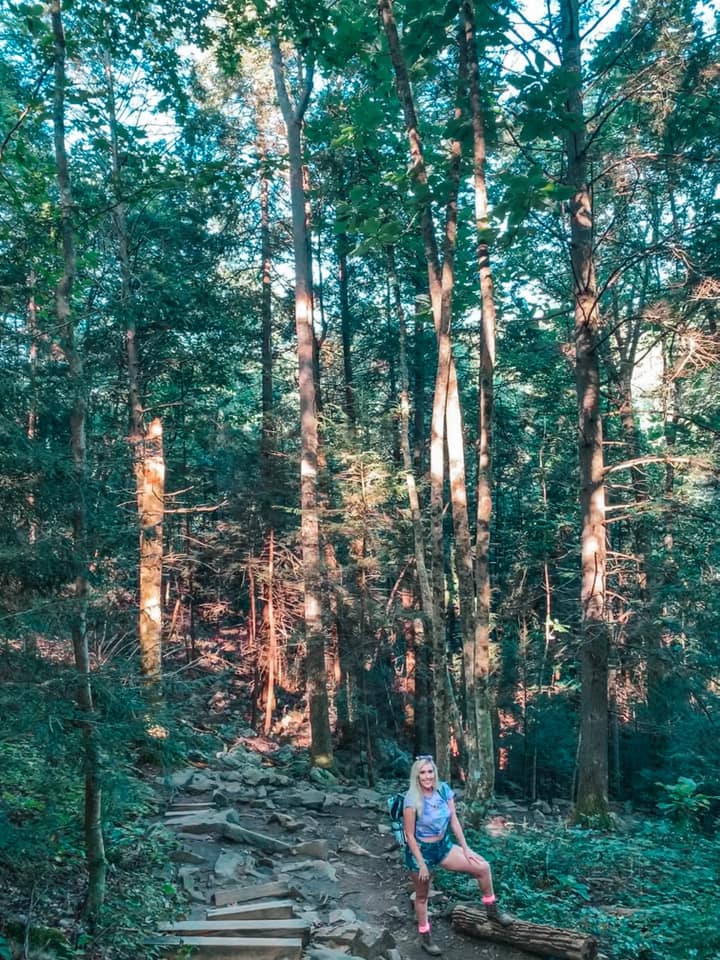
(533, 937)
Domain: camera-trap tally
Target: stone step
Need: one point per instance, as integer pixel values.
(234, 948)
(254, 910)
(261, 928)
(189, 806)
(187, 812)
(258, 891)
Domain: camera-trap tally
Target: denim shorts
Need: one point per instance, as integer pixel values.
(433, 853)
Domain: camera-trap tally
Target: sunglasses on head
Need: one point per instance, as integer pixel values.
(424, 756)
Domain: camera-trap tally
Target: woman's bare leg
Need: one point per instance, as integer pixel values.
(476, 866)
(422, 889)
(479, 868)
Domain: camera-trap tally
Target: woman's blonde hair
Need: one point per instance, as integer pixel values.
(414, 794)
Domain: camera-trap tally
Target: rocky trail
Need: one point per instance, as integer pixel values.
(292, 864)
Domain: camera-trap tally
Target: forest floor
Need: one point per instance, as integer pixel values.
(363, 875)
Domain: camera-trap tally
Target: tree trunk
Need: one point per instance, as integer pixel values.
(481, 763)
(321, 745)
(533, 937)
(418, 433)
(32, 420)
(441, 284)
(267, 438)
(146, 446)
(346, 327)
(423, 580)
(151, 508)
(592, 786)
(271, 635)
(94, 842)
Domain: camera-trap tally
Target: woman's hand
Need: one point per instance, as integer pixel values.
(470, 854)
(423, 872)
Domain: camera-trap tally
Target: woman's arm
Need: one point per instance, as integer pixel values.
(409, 818)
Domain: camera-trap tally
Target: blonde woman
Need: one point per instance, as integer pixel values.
(428, 817)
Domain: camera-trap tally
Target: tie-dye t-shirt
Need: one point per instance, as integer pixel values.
(435, 818)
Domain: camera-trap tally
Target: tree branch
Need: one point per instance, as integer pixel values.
(640, 461)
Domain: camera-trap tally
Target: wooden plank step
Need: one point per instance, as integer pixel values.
(199, 805)
(254, 910)
(235, 948)
(294, 927)
(258, 891)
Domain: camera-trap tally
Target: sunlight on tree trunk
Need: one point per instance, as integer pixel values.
(271, 636)
(146, 444)
(151, 509)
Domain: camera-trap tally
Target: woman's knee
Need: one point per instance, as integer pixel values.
(481, 869)
(422, 890)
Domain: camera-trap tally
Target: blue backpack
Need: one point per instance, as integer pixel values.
(395, 805)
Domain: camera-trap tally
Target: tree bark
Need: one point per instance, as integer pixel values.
(346, 328)
(93, 835)
(267, 438)
(592, 782)
(151, 508)
(533, 937)
(476, 654)
(418, 432)
(441, 284)
(421, 572)
(321, 745)
(32, 420)
(146, 446)
(271, 634)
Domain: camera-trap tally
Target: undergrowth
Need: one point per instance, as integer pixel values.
(42, 860)
(650, 894)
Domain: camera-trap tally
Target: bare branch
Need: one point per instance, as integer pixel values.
(600, 19)
(675, 461)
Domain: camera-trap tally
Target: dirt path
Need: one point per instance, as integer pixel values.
(372, 885)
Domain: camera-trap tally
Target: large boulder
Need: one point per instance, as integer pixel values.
(210, 822)
(310, 798)
(201, 783)
(180, 779)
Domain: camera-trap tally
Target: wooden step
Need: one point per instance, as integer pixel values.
(190, 804)
(234, 948)
(258, 891)
(264, 928)
(255, 910)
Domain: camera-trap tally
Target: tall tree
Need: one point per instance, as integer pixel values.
(293, 114)
(94, 842)
(146, 445)
(479, 737)
(592, 782)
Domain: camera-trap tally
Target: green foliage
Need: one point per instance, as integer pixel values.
(683, 802)
(645, 893)
(41, 798)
